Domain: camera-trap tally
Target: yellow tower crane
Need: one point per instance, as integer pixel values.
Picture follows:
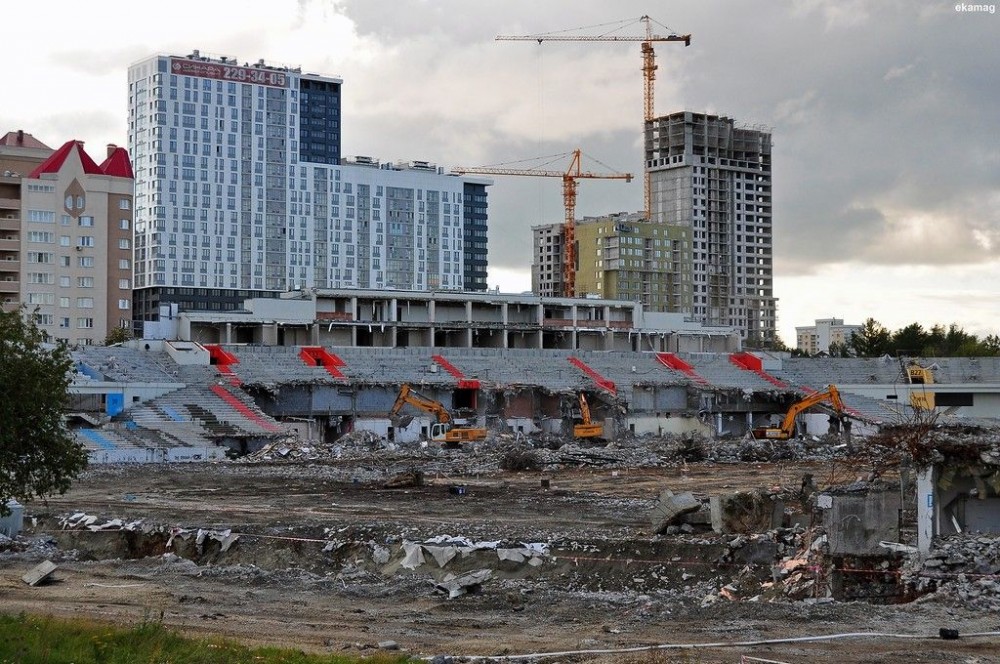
(648, 65)
(569, 178)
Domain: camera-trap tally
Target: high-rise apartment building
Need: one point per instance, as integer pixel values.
(242, 191)
(20, 153)
(72, 219)
(619, 257)
(713, 177)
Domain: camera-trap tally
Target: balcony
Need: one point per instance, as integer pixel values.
(12, 286)
(10, 204)
(8, 265)
(13, 244)
(10, 223)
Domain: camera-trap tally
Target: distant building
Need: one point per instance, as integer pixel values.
(242, 191)
(813, 339)
(620, 257)
(714, 178)
(70, 222)
(20, 153)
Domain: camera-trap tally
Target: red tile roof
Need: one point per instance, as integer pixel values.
(56, 160)
(118, 164)
(22, 139)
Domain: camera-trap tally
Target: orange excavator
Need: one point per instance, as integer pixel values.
(787, 428)
(442, 431)
(587, 428)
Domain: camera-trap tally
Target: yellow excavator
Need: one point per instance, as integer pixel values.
(587, 428)
(787, 428)
(442, 431)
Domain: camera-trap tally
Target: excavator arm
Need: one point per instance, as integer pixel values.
(407, 395)
(787, 428)
(587, 428)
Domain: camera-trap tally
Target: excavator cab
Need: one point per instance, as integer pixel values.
(444, 430)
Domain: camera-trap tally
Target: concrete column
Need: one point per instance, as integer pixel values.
(394, 335)
(229, 333)
(609, 340)
(504, 314)
(354, 308)
(314, 334)
(926, 508)
(506, 339)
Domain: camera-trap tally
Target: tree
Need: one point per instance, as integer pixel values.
(38, 456)
(117, 336)
(909, 340)
(872, 340)
(838, 349)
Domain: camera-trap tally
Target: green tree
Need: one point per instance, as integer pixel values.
(991, 345)
(38, 456)
(838, 349)
(117, 336)
(909, 340)
(872, 340)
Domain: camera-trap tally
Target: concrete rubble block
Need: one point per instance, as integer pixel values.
(41, 573)
(857, 523)
(746, 512)
(470, 582)
(671, 507)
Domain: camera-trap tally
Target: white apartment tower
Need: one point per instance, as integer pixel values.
(241, 191)
(715, 178)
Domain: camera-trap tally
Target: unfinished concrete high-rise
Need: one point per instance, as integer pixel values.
(714, 177)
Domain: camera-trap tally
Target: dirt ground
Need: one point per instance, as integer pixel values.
(306, 570)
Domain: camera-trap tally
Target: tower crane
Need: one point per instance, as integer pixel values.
(569, 177)
(648, 65)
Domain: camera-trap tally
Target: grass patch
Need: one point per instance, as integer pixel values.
(45, 640)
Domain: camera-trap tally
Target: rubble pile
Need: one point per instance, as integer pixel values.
(797, 560)
(961, 570)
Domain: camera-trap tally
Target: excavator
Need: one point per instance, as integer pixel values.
(442, 431)
(587, 428)
(787, 428)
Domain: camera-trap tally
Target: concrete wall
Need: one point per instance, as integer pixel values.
(856, 523)
(158, 455)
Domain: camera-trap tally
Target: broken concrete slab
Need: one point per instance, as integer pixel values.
(40, 573)
(746, 512)
(671, 507)
(456, 586)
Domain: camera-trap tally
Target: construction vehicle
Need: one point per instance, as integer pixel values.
(787, 428)
(921, 399)
(587, 428)
(444, 430)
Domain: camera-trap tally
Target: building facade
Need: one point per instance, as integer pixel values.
(76, 243)
(242, 191)
(620, 257)
(713, 177)
(813, 339)
(20, 153)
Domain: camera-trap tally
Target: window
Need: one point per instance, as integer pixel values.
(124, 304)
(123, 243)
(85, 282)
(64, 303)
(44, 257)
(85, 261)
(124, 204)
(84, 323)
(123, 264)
(85, 302)
(124, 284)
(124, 224)
(63, 240)
(40, 278)
(41, 216)
(44, 319)
(64, 282)
(41, 236)
(86, 221)
(85, 241)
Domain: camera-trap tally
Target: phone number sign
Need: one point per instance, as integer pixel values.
(224, 72)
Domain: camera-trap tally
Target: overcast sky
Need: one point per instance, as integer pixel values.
(885, 114)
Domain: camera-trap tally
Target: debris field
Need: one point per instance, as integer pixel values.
(503, 547)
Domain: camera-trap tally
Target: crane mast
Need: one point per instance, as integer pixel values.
(648, 71)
